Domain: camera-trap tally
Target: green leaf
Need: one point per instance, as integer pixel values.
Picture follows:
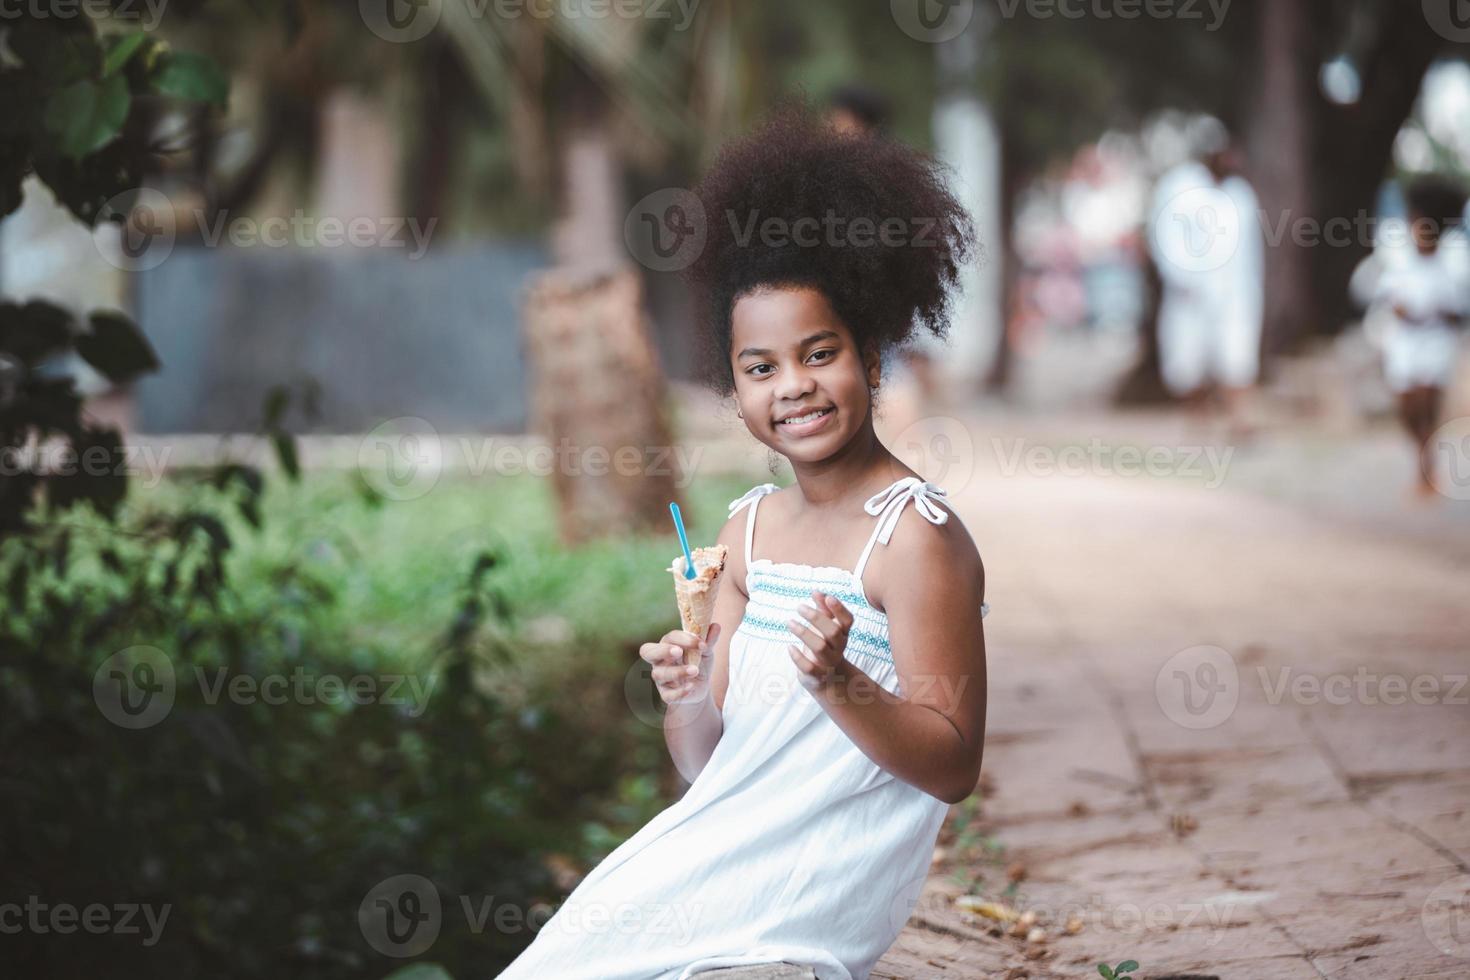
(86, 115)
(96, 477)
(117, 348)
(119, 49)
(1127, 966)
(191, 76)
(276, 401)
(285, 445)
(1106, 971)
(219, 538)
(35, 331)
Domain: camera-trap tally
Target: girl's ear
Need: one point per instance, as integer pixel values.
(873, 367)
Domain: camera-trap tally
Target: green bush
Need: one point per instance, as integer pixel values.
(262, 826)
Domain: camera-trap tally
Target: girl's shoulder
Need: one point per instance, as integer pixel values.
(921, 552)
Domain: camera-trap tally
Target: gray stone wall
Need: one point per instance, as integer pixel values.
(437, 337)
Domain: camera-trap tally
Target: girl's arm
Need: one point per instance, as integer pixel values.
(693, 728)
(933, 737)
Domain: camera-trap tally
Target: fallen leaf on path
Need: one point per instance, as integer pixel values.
(998, 911)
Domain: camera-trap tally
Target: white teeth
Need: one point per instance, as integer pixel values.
(806, 418)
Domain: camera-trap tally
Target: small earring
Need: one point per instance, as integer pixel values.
(739, 413)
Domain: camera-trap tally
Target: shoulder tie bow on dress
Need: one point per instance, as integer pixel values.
(752, 494)
(895, 497)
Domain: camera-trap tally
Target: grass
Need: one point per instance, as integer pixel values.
(396, 566)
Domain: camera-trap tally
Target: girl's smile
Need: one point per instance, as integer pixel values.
(799, 426)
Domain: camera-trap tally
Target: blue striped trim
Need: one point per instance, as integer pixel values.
(767, 619)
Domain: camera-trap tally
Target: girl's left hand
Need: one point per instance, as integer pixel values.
(822, 629)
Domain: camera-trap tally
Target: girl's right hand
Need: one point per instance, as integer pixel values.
(676, 681)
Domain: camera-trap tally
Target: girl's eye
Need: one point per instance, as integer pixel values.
(830, 352)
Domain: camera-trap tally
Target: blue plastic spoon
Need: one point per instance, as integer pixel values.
(683, 540)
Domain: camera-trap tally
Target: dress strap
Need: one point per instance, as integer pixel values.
(753, 498)
(889, 504)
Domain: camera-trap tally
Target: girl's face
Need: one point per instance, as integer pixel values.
(793, 357)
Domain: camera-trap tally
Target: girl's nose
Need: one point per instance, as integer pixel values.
(795, 385)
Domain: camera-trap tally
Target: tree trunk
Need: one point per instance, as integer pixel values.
(598, 387)
(1013, 182)
(1278, 144)
(598, 399)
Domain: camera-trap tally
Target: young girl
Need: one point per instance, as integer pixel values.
(837, 706)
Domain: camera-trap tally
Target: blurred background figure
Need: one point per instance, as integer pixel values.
(858, 108)
(1420, 298)
(1208, 245)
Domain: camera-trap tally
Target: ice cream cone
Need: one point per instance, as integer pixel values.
(696, 596)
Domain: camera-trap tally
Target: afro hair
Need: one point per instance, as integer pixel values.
(1438, 199)
(864, 219)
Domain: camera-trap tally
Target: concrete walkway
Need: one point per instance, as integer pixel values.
(1229, 733)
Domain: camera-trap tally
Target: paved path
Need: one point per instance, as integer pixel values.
(1229, 735)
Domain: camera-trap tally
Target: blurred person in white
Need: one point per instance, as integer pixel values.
(1206, 240)
(1417, 287)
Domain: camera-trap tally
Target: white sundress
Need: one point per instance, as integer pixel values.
(791, 844)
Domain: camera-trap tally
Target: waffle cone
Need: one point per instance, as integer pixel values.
(696, 596)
